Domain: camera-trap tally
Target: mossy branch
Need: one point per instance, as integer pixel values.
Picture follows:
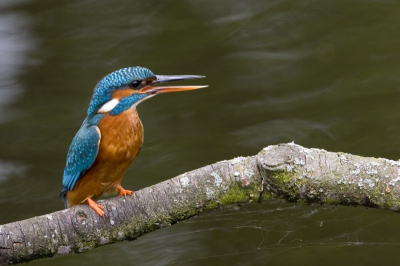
(284, 171)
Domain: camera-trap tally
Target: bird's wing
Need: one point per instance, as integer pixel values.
(81, 155)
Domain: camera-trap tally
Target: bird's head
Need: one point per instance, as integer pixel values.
(127, 87)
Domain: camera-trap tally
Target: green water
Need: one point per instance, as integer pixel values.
(323, 74)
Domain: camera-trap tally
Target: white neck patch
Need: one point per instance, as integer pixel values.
(108, 106)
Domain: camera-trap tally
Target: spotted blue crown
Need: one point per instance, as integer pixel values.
(116, 80)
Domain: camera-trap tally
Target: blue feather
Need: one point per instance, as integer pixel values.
(81, 155)
(127, 103)
(85, 145)
(116, 80)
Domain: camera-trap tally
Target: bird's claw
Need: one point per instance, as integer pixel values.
(124, 192)
(96, 207)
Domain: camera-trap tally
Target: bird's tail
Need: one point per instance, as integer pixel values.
(62, 195)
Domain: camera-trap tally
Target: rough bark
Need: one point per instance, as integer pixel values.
(284, 171)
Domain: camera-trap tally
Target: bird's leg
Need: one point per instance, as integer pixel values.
(124, 192)
(98, 208)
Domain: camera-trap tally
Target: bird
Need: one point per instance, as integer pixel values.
(111, 136)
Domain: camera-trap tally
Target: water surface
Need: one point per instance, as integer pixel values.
(323, 74)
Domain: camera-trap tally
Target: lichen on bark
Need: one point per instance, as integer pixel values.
(286, 171)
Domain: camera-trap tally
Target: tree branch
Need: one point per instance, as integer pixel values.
(282, 171)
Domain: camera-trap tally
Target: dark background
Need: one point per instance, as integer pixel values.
(323, 74)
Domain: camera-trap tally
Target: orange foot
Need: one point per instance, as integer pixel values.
(124, 192)
(98, 208)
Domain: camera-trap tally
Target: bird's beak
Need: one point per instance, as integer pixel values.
(163, 89)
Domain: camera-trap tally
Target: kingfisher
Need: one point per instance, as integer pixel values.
(111, 135)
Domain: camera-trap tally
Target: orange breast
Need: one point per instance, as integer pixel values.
(121, 140)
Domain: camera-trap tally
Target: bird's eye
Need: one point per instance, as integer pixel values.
(135, 84)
